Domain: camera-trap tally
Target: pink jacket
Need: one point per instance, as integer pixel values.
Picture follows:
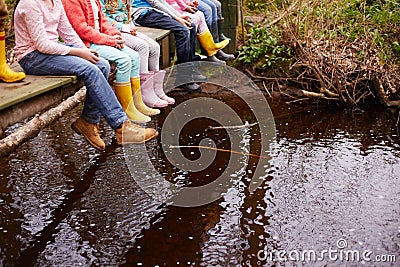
(80, 15)
(38, 27)
(178, 5)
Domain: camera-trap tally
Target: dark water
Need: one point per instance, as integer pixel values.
(333, 183)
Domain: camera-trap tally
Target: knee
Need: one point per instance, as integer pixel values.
(125, 63)
(154, 49)
(208, 10)
(185, 32)
(103, 65)
(213, 8)
(200, 15)
(135, 57)
(143, 49)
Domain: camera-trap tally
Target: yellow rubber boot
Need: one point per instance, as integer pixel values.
(137, 99)
(123, 92)
(207, 42)
(6, 73)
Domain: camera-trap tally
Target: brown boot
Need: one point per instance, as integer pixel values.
(131, 133)
(90, 131)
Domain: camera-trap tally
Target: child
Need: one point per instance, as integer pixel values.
(6, 73)
(117, 13)
(212, 10)
(154, 13)
(203, 33)
(93, 28)
(38, 24)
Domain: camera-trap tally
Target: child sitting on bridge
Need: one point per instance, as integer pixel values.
(154, 14)
(152, 78)
(92, 26)
(203, 33)
(38, 26)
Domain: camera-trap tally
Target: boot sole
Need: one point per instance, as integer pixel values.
(140, 142)
(13, 81)
(78, 131)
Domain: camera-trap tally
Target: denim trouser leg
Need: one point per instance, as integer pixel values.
(218, 6)
(126, 59)
(90, 112)
(155, 19)
(99, 95)
(213, 9)
(208, 13)
(193, 40)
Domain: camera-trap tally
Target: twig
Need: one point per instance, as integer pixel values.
(245, 125)
(35, 125)
(222, 150)
(265, 87)
(284, 14)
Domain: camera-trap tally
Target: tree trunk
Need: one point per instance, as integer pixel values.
(35, 125)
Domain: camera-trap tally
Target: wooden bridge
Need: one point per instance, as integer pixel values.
(36, 94)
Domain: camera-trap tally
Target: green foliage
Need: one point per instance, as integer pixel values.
(263, 48)
(377, 21)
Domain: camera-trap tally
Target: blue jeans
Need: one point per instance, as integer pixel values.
(126, 59)
(185, 39)
(210, 11)
(100, 98)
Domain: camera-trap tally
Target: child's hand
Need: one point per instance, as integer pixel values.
(184, 22)
(195, 3)
(191, 9)
(119, 41)
(88, 54)
(133, 30)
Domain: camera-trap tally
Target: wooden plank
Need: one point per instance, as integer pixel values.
(36, 104)
(163, 38)
(153, 33)
(14, 93)
(165, 61)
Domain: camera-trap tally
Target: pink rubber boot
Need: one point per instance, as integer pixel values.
(158, 87)
(149, 96)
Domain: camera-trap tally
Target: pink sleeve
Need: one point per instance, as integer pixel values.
(67, 33)
(37, 32)
(181, 3)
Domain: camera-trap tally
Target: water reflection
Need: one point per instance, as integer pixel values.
(332, 176)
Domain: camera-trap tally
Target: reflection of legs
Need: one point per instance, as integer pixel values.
(6, 73)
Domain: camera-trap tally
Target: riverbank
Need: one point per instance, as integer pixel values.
(334, 52)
